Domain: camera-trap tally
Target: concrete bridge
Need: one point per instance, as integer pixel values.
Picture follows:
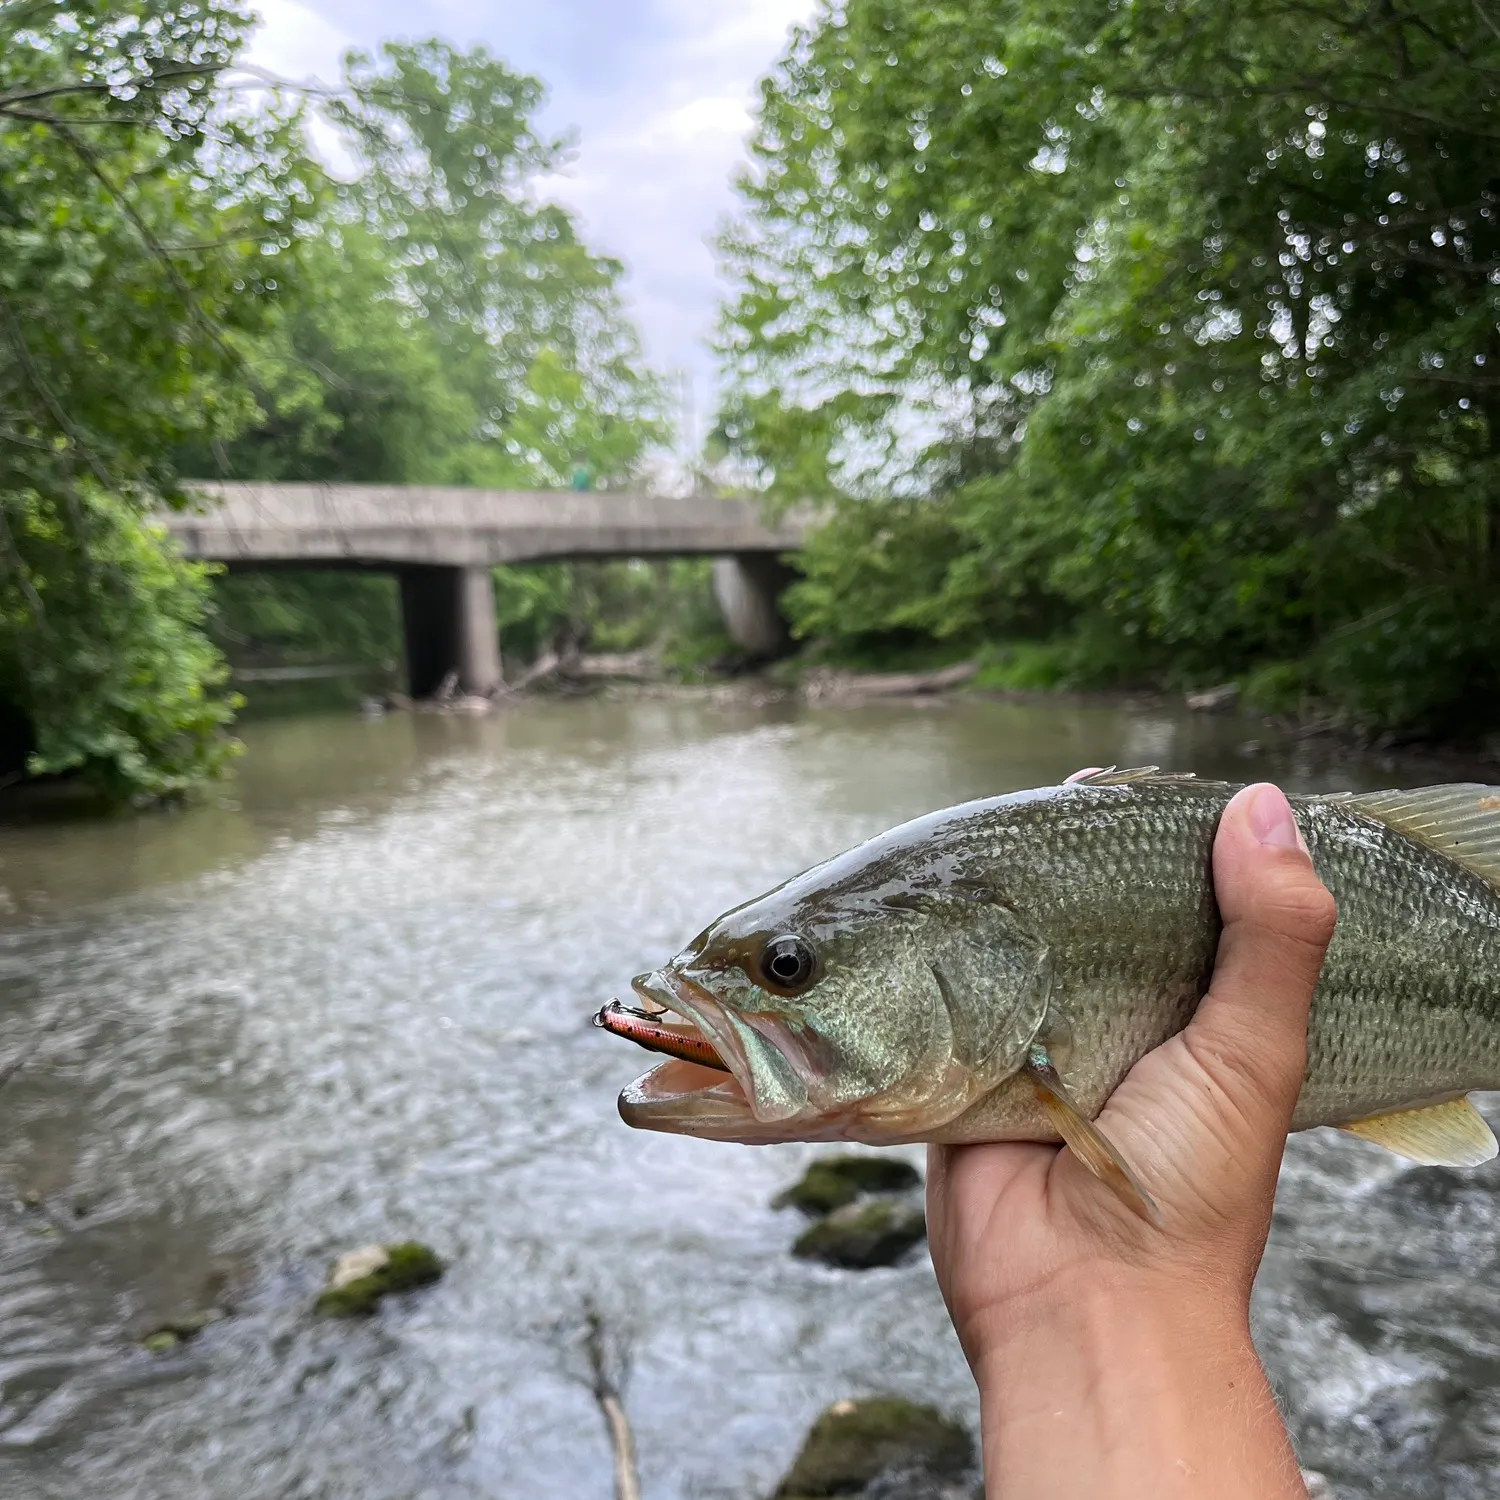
(441, 544)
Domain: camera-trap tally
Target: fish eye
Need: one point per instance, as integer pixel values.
(788, 963)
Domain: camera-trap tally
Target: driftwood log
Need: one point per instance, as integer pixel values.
(820, 687)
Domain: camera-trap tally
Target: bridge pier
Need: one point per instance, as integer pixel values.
(747, 586)
(448, 619)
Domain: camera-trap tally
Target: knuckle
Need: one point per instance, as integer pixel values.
(1302, 911)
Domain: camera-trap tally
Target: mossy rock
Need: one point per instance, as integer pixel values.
(833, 1181)
(362, 1277)
(870, 1232)
(168, 1335)
(854, 1443)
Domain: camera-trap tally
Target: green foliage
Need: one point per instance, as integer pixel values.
(1178, 322)
(99, 648)
(439, 324)
(307, 616)
(124, 286)
(535, 606)
(620, 605)
(349, 384)
(443, 324)
(1026, 666)
(183, 292)
(960, 565)
(1276, 687)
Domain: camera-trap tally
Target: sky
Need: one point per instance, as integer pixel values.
(659, 94)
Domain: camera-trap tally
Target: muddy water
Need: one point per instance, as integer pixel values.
(349, 1003)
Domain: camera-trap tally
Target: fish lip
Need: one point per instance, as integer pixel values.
(692, 1002)
(716, 1112)
(713, 1106)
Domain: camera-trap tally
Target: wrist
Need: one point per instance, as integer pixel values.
(1094, 1301)
(1117, 1388)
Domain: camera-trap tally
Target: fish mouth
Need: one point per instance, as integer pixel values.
(684, 1095)
(658, 1029)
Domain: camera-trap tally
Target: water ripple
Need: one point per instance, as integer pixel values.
(351, 1005)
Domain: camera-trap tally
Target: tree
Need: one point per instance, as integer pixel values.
(445, 325)
(1194, 309)
(183, 292)
(126, 282)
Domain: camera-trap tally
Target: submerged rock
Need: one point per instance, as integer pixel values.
(168, 1335)
(869, 1232)
(857, 1448)
(360, 1278)
(832, 1181)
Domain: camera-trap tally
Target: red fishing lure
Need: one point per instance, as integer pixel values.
(676, 1039)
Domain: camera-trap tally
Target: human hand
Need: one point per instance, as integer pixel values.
(1053, 1283)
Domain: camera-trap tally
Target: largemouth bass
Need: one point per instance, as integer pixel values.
(992, 971)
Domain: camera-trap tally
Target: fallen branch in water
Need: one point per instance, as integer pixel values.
(824, 685)
(606, 1390)
(571, 668)
(545, 666)
(629, 666)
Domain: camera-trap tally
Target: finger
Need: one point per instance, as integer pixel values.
(1250, 1032)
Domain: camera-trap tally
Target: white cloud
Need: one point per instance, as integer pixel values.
(294, 41)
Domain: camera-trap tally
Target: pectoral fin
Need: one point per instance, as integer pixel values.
(1084, 1139)
(1442, 1135)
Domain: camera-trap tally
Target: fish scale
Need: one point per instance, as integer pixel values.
(1406, 1005)
(992, 971)
(1117, 880)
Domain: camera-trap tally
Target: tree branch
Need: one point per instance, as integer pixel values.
(606, 1392)
(104, 86)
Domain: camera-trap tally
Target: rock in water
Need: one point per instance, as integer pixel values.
(356, 1265)
(855, 1444)
(175, 1331)
(832, 1181)
(870, 1232)
(360, 1278)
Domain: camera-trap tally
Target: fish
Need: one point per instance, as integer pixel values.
(991, 971)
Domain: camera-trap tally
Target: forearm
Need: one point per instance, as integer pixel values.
(1114, 1396)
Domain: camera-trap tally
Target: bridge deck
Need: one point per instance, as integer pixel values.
(402, 526)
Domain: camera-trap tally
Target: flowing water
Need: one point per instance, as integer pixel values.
(349, 1003)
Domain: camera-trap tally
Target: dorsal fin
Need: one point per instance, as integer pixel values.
(1461, 820)
(1113, 776)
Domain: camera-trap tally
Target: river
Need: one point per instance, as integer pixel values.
(349, 1001)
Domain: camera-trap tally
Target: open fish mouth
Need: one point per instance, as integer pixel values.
(706, 1086)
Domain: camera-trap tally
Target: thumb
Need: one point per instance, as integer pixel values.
(1250, 1031)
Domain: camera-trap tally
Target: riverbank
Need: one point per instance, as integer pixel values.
(637, 677)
